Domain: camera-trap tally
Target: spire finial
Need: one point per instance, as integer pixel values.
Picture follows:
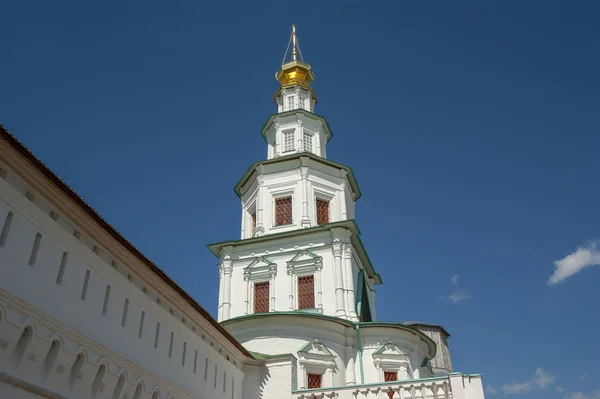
(294, 42)
(294, 71)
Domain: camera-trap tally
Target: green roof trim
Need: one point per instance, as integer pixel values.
(311, 115)
(349, 224)
(263, 356)
(424, 337)
(248, 173)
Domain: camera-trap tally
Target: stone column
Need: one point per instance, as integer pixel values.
(349, 282)
(304, 192)
(300, 136)
(319, 284)
(227, 267)
(220, 307)
(273, 273)
(260, 207)
(278, 138)
(291, 295)
(338, 234)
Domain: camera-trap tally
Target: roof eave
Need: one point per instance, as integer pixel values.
(349, 224)
(349, 171)
(311, 115)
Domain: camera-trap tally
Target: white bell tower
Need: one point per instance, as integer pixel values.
(299, 246)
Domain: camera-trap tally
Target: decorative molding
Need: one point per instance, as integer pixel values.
(261, 268)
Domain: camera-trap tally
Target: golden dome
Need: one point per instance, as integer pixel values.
(294, 71)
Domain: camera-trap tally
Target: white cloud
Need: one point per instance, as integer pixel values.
(559, 388)
(455, 279)
(584, 256)
(459, 294)
(581, 395)
(541, 379)
(516, 388)
(583, 376)
(490, 390)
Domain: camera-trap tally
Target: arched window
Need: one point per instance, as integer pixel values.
(50, 358)
(22, 344)
(98, 384)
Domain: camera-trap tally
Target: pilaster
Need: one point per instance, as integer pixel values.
(260, 208)
(340, 235)
(349, 283)
(227, 270)
(305, 222)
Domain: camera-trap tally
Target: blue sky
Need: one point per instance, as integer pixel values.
(473, 129)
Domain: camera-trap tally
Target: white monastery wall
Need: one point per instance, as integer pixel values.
(90, 291)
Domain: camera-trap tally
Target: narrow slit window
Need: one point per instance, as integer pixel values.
(5, 229)
(141, 330)
(253, 218)
(283, 211)
(261, 297)
(86, 281)
(125, 309)
(224, 380)
(106, 299)
(183, 355)
(35, 249)
(307, 142)
(288, 141)
(61, 268)
(215, 384)
(205, 368)
(306, 292)
(322, 211)
(171, 346)
(195, 361)
(156, 335)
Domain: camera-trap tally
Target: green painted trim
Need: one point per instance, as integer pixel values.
(263, 356)
(345, 322)
(431, 342)
(349, 224)
(295, 111)
(360, 353)
(352, 177)
(359, 291)
(288, 313)
(445, 377)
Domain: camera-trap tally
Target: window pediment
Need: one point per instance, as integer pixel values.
(316, 355)
(260, 268)
(390, 354)
(304, 262)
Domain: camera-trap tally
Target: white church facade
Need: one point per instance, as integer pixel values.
(84, 314)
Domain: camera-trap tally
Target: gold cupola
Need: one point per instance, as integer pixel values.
(294, 71)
